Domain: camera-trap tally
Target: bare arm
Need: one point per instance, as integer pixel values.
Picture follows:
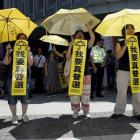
(92, 37)
(7, 58)
(120, 51)
(59, 54)
(68, 54)
(30, 58)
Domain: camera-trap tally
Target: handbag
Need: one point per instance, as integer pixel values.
(3, 72)
(67, 67)
(33, 69)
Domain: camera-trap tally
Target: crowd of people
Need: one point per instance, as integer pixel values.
(100, 70)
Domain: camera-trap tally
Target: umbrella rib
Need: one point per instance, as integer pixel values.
(113, 22)
(3, 30)
(7, 25)
(16, 26)
(9, 14)
(3, 17)
(131, 19)
(8, 32)
(19, 18)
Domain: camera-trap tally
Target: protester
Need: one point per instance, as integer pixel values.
(98, 61)
(39, 62)
(8, 60)
(50, 73)
(123, 76)
(110, 62)
(85, 98)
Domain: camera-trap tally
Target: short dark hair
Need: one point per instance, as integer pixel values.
(78, 32)
(126, 27)
(20, 35)
(109, 51)
(98, 40)
(50, 52)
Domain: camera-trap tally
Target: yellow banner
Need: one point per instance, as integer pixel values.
(19, 75)
(61, 76)
(77, 67)
(134, 60)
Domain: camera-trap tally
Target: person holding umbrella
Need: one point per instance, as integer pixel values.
(123, 76)
(75, 100)
(12, 101)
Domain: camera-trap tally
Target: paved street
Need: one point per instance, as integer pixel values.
(51, 118)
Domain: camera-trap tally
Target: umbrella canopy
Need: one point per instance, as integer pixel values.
(67, 22)
(13, 22)
(112, 24)
(54, 39)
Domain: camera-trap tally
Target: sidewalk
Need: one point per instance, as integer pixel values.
(51, 118)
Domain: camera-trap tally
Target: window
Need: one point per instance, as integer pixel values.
(22, 7)
(29, 7)
(16, 3)
(50, 2)
(40, 4)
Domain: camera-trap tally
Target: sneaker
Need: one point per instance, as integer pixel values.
(25, 118)
(15, 120)
(75, 115)
(87, 115)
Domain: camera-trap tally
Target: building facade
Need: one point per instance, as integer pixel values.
(38, 10)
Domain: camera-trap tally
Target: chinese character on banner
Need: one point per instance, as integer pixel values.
(62, 78)
(77, 67)
(134, 60)
(19, 73)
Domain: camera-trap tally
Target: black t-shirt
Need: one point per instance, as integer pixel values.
(11, 68)
(124, 60)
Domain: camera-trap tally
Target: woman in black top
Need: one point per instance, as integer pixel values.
(12, 101)
(123, 76)
(75, 100)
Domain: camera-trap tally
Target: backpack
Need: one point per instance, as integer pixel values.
(67, 67)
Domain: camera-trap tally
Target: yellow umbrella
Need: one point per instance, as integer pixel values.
(13, 22)
(112, 24)
(54, 39)
(66, 22)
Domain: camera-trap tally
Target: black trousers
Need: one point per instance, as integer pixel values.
(39, 79)
(97, 79)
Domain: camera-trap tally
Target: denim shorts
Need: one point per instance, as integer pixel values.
(13, 99)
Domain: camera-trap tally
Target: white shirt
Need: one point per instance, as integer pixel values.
(42, 61)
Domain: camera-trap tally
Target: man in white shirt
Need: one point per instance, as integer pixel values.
(97, 57)
(39, 61)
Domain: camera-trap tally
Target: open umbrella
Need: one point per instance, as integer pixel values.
(54, 39)
(13, 22)
(66, 22)
(112, 24)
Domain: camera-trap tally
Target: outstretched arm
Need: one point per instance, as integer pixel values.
(92, 36)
